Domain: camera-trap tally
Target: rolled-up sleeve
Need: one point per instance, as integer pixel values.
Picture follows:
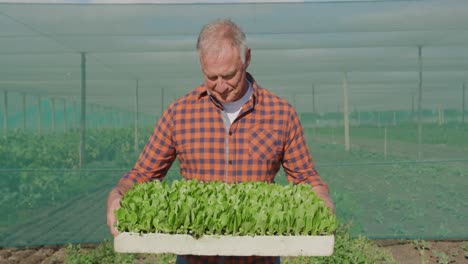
(297, 160)
(158, 154)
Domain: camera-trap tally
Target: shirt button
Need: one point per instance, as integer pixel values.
(230, 162)
(230, 133)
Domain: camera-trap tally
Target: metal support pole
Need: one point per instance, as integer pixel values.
(102, 117)
(75, 112)
(420, 102)
(24, 111)
(378, 121)
(359, 118)
(39, 112)
(52, 100)
(136, 118)
(93, 117)
(64, 115)
(463, 104)
(346, 111)
(313, 98)
(439, 119)
(385, 143)
(162, 101)
(5, 111)
(110, 117)
(83, 110)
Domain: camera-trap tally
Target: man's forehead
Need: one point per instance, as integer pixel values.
(214, 70)
(222, 59)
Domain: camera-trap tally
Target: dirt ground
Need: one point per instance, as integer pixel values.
(404, 252)
(30, 255)
(428, 252)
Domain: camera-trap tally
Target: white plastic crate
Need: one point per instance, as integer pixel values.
(211, 245)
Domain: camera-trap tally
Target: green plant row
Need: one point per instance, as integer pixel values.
(451, 134)
(216, 208)
(29, 156)
(21, 150)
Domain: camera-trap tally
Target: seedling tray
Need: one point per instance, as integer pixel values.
(211, 245)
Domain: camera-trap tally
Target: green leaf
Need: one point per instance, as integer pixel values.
(250, 208)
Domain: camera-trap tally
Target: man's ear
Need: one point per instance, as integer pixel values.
(199, 57)
(247, 58)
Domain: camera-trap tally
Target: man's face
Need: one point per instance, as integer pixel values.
(225, 73)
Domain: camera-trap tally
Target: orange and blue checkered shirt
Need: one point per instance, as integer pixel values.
(266, 135)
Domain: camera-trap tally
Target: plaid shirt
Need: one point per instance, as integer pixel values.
(266, 135)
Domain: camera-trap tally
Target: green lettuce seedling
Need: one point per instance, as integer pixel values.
(216, 208)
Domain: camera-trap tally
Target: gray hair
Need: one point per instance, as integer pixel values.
(221, 29)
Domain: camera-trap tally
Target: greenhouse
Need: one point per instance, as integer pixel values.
(380, 88)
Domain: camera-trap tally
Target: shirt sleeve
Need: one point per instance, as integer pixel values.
(297, 160)
(158, 154)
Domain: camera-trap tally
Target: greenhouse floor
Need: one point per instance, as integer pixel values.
(409, 252)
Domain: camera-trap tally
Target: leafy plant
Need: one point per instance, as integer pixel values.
(36, 154)
(442, 257)
(102, 254)
(422, 246)
(347, 250)
(464, 247)
(198, 208)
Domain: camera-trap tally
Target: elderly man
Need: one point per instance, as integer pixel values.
(227, 129)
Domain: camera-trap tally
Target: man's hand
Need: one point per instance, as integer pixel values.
(323, 194)
(113, 203)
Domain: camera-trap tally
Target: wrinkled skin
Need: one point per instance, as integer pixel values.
(225, 73)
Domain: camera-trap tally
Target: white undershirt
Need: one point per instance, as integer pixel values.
(232, 109)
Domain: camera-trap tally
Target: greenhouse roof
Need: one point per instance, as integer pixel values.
(296, 45)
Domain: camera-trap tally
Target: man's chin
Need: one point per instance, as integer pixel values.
(223, 99)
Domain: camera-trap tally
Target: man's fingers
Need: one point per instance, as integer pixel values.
(327, 200)
(110, 222)
(114, 232)
(111, 219)
(330, 204)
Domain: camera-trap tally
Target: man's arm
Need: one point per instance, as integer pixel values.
(153, 163)
(298, 163)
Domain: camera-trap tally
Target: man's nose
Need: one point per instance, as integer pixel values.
(221, 86)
